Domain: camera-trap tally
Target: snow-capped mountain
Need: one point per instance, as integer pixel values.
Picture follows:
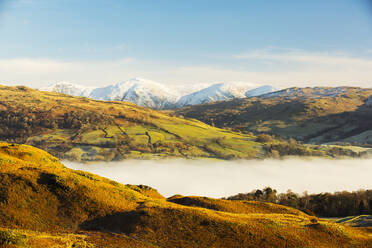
(154, 95)
(223, 92)
(140, 91)
(69, 89)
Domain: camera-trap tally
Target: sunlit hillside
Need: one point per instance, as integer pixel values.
(44, 204)
(82, 129)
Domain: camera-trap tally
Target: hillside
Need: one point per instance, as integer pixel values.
(313, 115)
(44, 204)
(82, 129)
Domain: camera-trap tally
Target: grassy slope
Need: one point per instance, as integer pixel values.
(42, 203)
(305, 116)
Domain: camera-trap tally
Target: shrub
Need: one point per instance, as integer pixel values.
(264, 138)
(8, 237)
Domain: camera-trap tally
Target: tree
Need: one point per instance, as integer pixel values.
(258, 194)
(264, 138)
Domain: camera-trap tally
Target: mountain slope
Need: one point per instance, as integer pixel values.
(316, 115)
(44, 203)
(216, 92)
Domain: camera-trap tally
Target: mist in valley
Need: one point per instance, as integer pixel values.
(226, 178)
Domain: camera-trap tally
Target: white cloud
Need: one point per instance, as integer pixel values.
(279, 67)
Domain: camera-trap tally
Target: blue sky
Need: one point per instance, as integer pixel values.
(177, 42)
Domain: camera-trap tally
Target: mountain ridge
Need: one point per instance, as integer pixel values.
(154, 95)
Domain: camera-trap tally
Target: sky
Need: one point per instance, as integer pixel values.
(183, 42)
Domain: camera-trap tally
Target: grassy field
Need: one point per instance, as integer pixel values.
(44, 204)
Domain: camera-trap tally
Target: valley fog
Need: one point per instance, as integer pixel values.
(226, 178)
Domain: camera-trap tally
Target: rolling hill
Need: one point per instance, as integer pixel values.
(44, 204)
(82, 129)
(313, 115)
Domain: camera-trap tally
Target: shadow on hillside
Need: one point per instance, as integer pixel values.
(53, 182)
(123, 222)
(346, 124)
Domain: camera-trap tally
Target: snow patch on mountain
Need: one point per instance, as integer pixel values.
(260, 91)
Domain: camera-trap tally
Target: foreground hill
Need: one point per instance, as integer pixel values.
(315, 115)
(44, 204)
(82, 129)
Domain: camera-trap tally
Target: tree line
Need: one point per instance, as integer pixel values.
(338, 204)
(18, 124)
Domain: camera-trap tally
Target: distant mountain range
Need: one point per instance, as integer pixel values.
(154, 95)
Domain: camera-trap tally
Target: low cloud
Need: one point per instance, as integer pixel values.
(225, 178)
